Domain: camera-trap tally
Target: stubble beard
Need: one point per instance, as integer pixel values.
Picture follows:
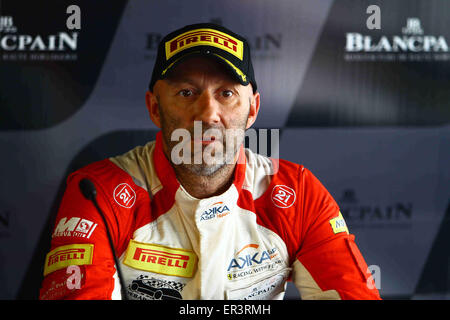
(222, 158)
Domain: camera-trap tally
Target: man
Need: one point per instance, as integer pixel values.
(193, 215)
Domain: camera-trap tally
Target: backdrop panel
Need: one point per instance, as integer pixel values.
(366, 110)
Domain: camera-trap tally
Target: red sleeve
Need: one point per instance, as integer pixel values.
(80, 264)
(328, 258)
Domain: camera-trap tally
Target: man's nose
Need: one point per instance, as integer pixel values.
(207, 109)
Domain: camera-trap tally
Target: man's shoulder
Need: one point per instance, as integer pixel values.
(271, 166)
(263, 171)
(131, 167)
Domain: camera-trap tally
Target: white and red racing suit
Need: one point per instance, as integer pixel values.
(276, 223)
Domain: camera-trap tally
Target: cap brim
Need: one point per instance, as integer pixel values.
(236, 73)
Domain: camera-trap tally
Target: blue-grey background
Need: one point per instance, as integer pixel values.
(374, 129)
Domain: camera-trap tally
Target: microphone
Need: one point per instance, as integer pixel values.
(89, 192)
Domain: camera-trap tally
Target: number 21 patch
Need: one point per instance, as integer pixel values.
(124, 195)
(283, 196)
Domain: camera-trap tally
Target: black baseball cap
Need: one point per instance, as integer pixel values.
(205, 39)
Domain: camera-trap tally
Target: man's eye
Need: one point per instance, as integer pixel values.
(185, 93)
(227, 93)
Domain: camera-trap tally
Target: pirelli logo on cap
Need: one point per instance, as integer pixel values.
(68, 255)
(338, 224)
(160, 259)
(201, 37)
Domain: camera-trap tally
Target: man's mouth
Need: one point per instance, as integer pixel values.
(206, 140)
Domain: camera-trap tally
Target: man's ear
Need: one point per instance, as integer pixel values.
(153, 108)
(254, 109)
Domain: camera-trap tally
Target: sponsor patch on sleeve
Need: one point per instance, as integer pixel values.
(160, 259)
(338, 224)
(68, 255)
(74, 227)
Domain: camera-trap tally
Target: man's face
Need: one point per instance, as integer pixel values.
(201, 93)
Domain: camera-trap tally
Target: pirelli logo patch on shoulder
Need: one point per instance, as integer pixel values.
(338, 224)
(68, 255)
(160, 259)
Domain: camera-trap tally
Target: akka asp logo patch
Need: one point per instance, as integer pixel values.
(218, 209)
(253, 259)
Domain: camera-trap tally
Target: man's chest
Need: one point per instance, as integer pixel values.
(205, 250)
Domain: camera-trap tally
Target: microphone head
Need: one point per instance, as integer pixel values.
(88, 189)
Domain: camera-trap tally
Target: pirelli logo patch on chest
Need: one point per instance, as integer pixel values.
(68, 255)
(160, 259)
